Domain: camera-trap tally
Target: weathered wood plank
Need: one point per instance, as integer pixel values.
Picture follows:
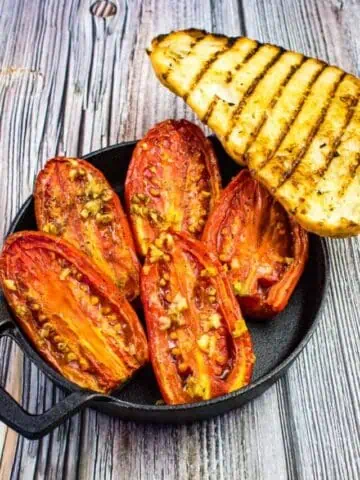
(72, 83)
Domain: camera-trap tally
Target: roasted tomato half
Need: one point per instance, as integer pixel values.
(263, 249)
(74, 201)
(172, 182)
(199, 343)
(75, 317)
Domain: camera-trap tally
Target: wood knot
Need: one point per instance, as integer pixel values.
(103, 9)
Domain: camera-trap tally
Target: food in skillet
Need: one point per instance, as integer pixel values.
(293, 120)
(74, 316)
(172, 182)
(199, 343)
(75, 201)
(262, 248)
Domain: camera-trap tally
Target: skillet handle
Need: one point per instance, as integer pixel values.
(36, 426)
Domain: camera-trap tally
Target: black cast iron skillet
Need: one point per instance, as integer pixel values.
(276, 342)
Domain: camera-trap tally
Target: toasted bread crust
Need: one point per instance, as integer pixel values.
(294, 121)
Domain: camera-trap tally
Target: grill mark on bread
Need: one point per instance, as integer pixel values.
(287, 175)
(321, 172)
(287, 128)
(229, 44)
(332, 154)
(178, 57)
(272, 104)
(237, 67)
(250, 91)
(352, 172)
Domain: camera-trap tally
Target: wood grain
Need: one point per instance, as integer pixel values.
(71, 83)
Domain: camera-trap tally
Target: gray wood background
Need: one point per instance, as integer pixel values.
(71, 83)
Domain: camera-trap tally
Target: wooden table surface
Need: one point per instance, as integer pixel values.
(71, 83)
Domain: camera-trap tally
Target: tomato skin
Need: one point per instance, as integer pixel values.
(263, 249)
(199, 344)
(75, 317)
(74, 200)
(172, 182)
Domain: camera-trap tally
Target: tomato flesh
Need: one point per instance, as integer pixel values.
(73, 315)
(263, 250)
(172, 182)
(199, 344)
(74, 201)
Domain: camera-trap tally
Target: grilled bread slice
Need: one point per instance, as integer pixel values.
(293, 120)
